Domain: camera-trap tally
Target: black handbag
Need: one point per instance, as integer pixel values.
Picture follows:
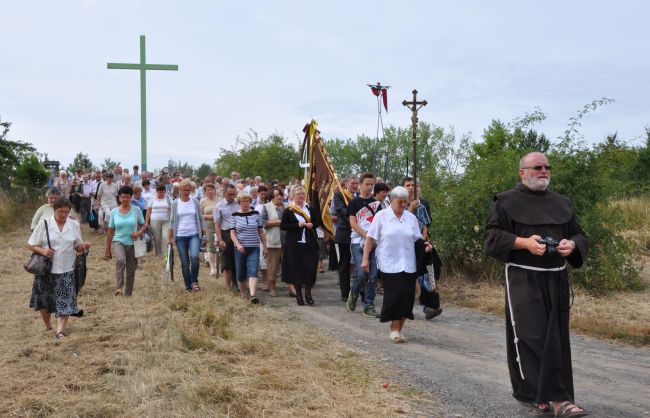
(38, 264)
(80, 271)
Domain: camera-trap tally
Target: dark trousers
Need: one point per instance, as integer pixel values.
(344, 268)
(84, 209)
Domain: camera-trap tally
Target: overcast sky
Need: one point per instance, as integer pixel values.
(271, 65)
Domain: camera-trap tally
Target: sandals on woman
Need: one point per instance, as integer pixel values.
(564, 410)
(254, 300)
(59, 335)
(396, 337)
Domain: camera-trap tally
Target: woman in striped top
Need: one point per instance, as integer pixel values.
(246, 237)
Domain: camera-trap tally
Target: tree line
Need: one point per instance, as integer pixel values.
(460, 177)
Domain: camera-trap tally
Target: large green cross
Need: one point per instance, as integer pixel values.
(143, 67)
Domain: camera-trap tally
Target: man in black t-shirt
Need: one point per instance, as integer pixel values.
(339, 211)
(362, 210)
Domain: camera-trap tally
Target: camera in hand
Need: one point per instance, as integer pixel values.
(551, 244)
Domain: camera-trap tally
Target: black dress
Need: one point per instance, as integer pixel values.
(538, 349)
(300, 260)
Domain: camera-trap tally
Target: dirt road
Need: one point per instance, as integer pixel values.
(460, 359)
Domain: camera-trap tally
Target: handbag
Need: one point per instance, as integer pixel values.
(93, 219)
(80, 271)
(38, 264)
(139, 245)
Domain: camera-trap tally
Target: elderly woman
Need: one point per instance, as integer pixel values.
(56, 293)
(138, 200)
(127, 224)
(246, 236)
(159, 210)
(271, 216)
(187, 229)
(207, 204)
(63, 183)
(107, 197)
(300, 251)
(394, 231)
(47, 210)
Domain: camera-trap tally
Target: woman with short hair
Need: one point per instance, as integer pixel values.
(187, 229)
(246, 237)
(56, 293)
(126, 224)
(207, 204)
(158, 213)
(63, 183)
(138, 200)
(107, 196)
(394, 231)
(272, 218)
(300, 251)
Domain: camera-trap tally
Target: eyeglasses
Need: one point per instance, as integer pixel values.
(539, 167)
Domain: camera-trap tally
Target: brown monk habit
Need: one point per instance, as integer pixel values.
(537, 301)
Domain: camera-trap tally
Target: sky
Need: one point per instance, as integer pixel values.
(270, 66)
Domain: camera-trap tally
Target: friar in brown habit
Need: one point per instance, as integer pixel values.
(535, 232)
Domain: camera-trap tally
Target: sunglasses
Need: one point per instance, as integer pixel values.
(539, 167)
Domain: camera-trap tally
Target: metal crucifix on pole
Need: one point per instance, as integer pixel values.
(143, 67)
(415, 105)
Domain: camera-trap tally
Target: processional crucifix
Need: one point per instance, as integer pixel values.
(143, 67)
(414, 105)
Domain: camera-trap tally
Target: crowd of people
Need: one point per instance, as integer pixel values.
(380, 245)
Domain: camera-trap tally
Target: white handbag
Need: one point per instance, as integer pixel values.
(139, 245)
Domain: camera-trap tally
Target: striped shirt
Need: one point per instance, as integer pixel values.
(247, 226)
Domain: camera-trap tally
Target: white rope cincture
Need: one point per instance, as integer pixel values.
(512, 315)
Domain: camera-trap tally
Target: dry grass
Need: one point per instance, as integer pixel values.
(164, 353)
(636, 213)
(624, 316)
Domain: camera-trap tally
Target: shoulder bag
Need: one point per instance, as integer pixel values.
(139, 245)
(38, 264)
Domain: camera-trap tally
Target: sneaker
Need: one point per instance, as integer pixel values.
(352, 302)
(370, 311)
(430, 313)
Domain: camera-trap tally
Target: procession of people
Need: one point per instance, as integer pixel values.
(381, 245)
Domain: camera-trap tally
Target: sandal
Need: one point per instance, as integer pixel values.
(118, 292)
(59, 335)
(536, 406)
(564, 410)
(254, 300)
(396, 337)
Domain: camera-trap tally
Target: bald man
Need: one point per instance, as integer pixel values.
(535, 232)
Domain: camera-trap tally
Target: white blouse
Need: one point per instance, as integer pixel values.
(63, 243)
(395, 252)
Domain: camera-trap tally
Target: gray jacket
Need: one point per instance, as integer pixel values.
(173, 222)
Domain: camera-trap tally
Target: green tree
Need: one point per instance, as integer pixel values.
(109, 164)
(203, 170)
(273, 157)
(186, 169)
(31, 173)
(81, 162)
(11, 154)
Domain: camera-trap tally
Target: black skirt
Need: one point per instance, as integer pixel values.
(299, 263)
(399, 295)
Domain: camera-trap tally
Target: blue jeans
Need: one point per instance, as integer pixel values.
(360, 276)
(246, 264)
(188, 251)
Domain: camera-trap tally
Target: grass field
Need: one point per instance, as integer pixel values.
(165, 353)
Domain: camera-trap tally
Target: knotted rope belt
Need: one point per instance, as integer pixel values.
(512, 314)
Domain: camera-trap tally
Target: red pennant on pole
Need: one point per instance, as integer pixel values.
(375, 91)
(384, 95)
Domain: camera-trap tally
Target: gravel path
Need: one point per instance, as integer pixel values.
(460, 358)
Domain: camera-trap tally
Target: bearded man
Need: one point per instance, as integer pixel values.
(535, 232)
